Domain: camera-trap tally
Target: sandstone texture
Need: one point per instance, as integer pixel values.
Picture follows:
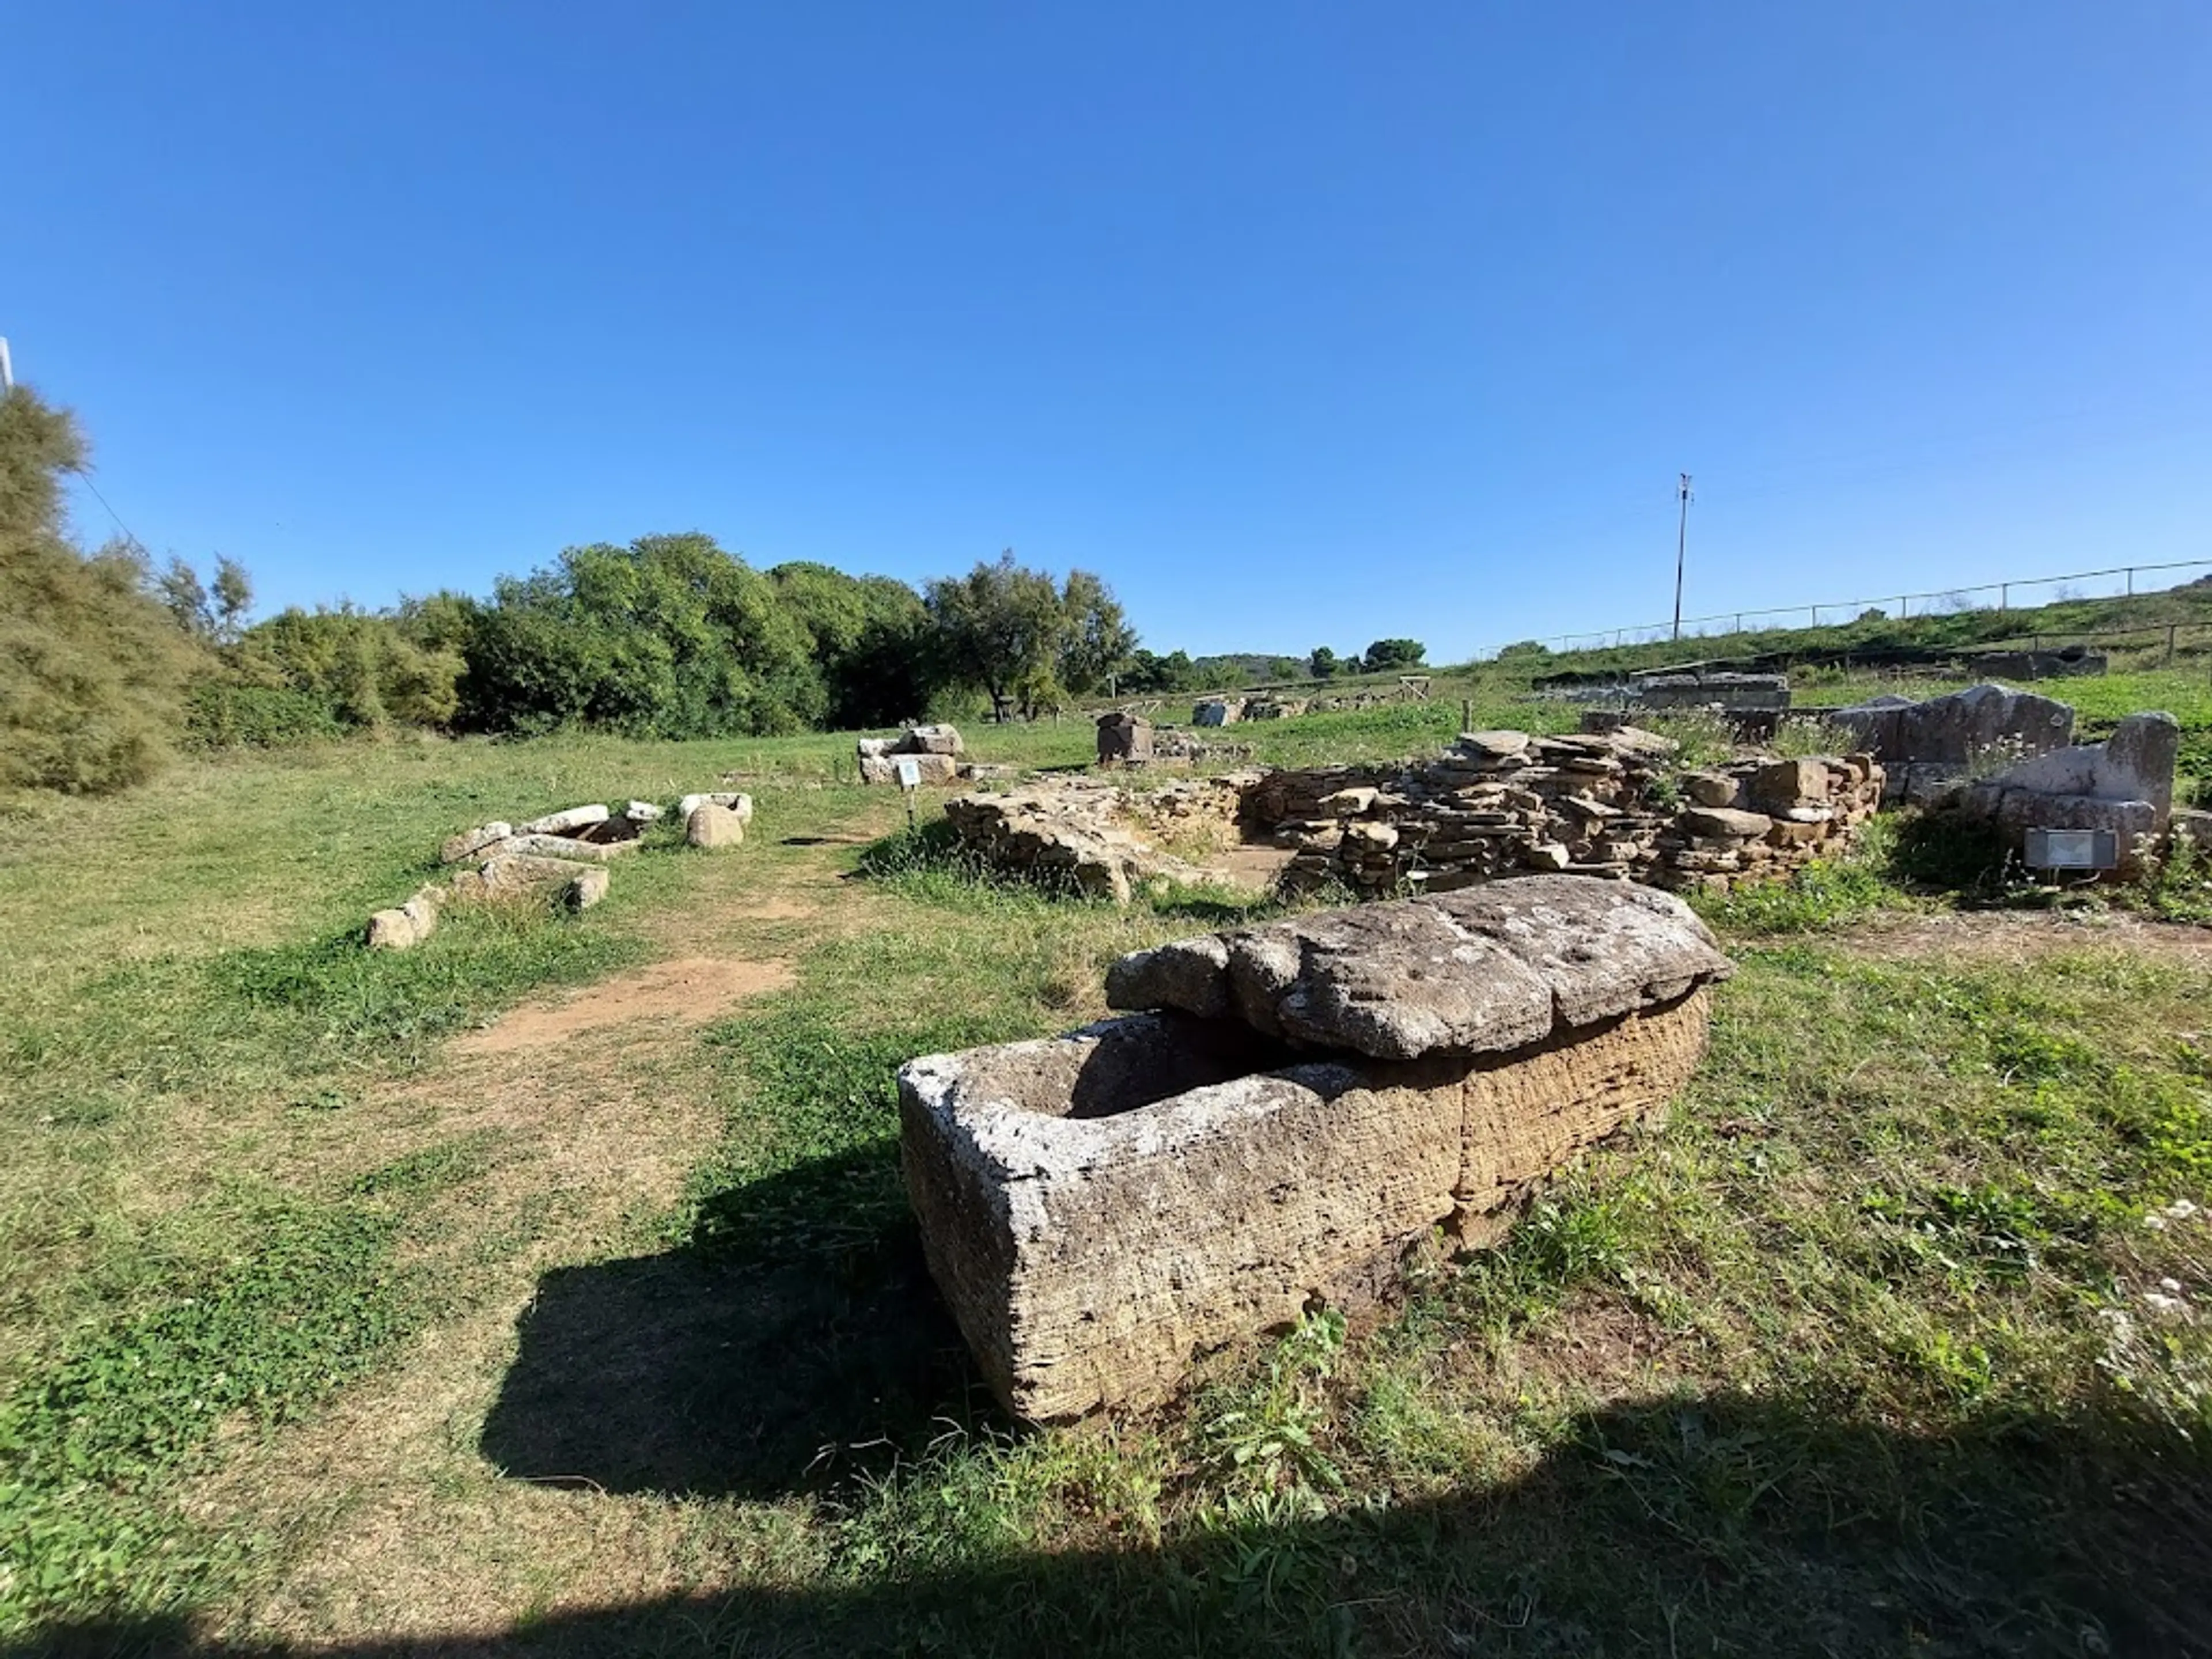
(711, 825)
(1470, 972)
(1101, 1208)
(470, 842)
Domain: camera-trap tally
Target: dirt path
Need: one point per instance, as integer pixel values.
(387, 1516)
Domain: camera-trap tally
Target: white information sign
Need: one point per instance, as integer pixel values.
(909, 772)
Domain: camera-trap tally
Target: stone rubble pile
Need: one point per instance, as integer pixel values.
(563, 854)
(1077, 834)
(1505, 803)
(1286, 1112)
(1498, 804)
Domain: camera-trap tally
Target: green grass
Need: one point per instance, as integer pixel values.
(1857, 1354)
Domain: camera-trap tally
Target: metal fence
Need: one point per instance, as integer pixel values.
(1939, 602)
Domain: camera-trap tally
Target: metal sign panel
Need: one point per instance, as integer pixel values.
(2072, 849)
(909, 772)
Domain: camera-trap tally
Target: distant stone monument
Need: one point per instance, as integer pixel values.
(1124, 738)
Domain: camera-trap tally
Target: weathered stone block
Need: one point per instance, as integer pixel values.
(512, 875)
(1099, 1208)
(710, 826)
(562, 823)
(1726, 824)
(1780, 785)
(585, 888)
(395, 930)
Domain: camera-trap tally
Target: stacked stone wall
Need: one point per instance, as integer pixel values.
(1504, 804)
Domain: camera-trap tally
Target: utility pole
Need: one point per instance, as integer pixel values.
(7, 368)
(1681, 541)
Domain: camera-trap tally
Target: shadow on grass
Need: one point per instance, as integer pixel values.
(1724, 1524)
(793, 1351)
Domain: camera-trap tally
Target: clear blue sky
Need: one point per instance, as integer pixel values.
(1300, 324)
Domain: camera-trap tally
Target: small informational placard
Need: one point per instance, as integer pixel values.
(909, 772)
(2072, 849)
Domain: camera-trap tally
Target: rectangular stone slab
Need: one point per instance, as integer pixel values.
(1101, 1208)
(1481, 970)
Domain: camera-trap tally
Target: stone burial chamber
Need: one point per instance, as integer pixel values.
(1284, 1112)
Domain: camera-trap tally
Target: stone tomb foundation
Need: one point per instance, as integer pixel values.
(1103, 1208)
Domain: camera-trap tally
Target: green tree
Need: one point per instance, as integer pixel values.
(234, 598)
(93, 671)
(872, 642)
(1386, 656)
(1099, 642)
(1000, 628)
(1322, 664)
(670, 636)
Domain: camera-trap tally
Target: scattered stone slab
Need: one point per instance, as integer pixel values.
(1726, 823)
(642, 812)
(585, 888)
(562, 823)
(930, 771)
(1099, 1208)
(512, 874)
(575, 851)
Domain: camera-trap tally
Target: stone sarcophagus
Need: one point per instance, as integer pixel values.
(1294, 1105)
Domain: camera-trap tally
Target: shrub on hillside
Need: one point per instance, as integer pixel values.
(92, 671)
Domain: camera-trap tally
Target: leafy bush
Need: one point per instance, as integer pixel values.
(92, 671)
(224, 715)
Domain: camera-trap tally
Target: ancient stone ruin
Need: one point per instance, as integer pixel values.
(1124, 738)
(1726, 693)
(1496, 804)
(1296, 1105)
(1927, 748)
(2123, 786)
(563, 854)
(1092, 837)
(934, 752)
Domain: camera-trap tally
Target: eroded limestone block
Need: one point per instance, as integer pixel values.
(1099, 1208)
(710, 825)
(564, 823)
(1485, 969)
